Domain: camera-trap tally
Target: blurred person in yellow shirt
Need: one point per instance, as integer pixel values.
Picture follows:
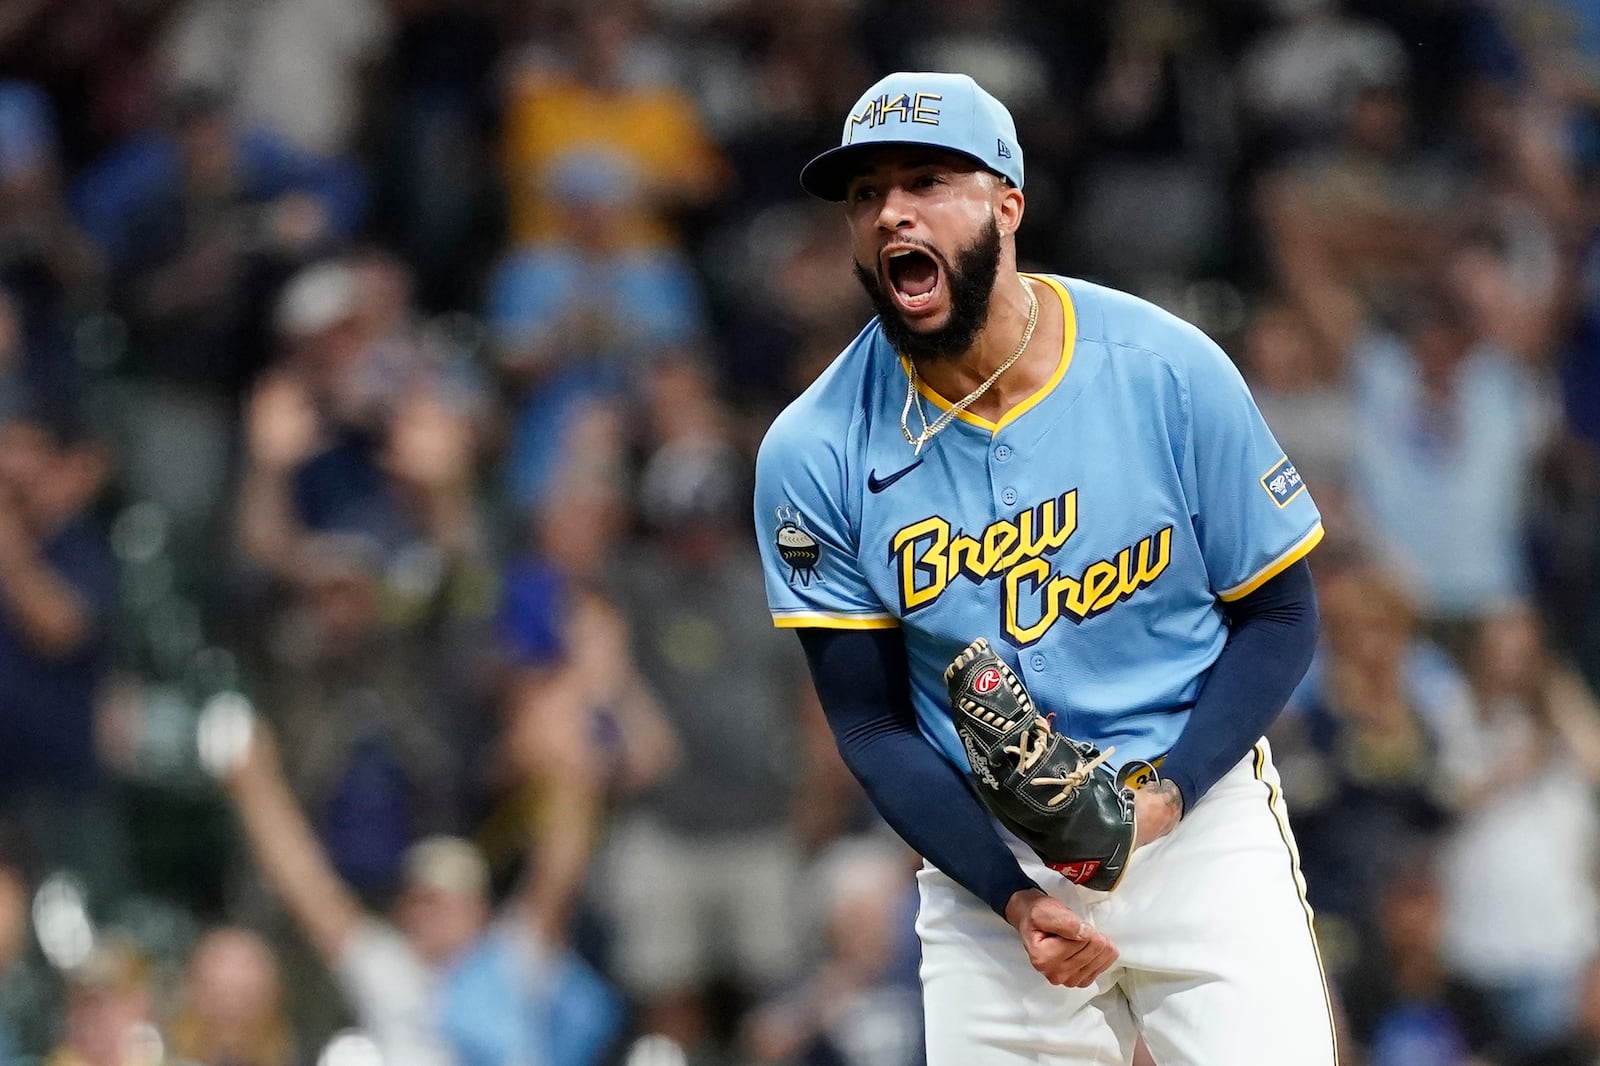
(231, 1008)
(597, 104)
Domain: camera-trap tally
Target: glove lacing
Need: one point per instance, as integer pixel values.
(1034, 743)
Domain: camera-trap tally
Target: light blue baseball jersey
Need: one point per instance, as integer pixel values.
(1091, 534)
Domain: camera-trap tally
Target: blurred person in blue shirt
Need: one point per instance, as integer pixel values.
(579, 317)
(1448, 426)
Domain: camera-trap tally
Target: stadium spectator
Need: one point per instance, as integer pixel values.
(231, 1010)
(583, 732)
(599, 97)
(364, 428)
(1297, 79)
(300, 68)
(702, 872)
(110, 1006)
(794, 309)
(1149, 142)
(1350, 224)
(431, 128)
(367, 755)
(1297, 385)
(584, 315)
(1445, 413)
(56, 589)
(48, 270)
(1524, 775)
(200, 227)
(860, 1004)
(1363, 740)
(1569, 532)
(1406, 1007)
(442, 982)
(770, 87)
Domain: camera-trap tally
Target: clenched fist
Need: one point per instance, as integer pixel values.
(1063, 947)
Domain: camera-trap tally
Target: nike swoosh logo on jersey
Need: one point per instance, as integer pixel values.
(875, 484)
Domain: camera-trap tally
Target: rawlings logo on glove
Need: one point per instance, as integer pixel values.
(1052, 792)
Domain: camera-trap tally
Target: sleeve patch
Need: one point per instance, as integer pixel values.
(1283, 482)
(799, 550)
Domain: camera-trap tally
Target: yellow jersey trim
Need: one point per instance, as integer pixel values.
(1069, 342)
(1298, 551)
(818, 620)
(1258, 763)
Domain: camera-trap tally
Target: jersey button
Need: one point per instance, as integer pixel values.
(1002, 453)
(1037, 662)
(1008, 496)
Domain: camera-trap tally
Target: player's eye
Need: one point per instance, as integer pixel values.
(861, 194)
(925, 181)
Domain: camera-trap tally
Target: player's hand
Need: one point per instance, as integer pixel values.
(1063, 947)
(1156, 810)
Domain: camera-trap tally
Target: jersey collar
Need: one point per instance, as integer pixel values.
(1069, 341)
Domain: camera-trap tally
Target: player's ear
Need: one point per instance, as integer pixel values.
(1008, 207)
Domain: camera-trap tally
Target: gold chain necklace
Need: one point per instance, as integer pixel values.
(929, 431)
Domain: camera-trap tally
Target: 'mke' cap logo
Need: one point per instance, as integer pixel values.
(938, 110)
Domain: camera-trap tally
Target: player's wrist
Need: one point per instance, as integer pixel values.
(1017, 906)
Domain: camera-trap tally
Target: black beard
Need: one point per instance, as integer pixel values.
(971, 282)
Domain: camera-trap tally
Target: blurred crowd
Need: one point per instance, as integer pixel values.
(385, 676)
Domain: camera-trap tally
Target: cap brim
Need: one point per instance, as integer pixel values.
(828, 175)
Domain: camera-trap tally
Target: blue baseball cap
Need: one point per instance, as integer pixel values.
(947, 111)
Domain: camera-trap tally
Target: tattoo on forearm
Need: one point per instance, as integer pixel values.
(1169, 792)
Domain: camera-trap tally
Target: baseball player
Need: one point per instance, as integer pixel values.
(1083, 481)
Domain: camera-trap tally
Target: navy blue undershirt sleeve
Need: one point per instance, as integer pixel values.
(1272, 634)
(865, 690)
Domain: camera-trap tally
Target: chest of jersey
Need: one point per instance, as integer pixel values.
(1070, 513)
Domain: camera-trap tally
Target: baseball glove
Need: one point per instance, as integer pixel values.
(1051, 791)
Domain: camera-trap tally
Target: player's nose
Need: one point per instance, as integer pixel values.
(896, 210)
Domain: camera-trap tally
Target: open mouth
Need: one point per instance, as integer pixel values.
(914, 277)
